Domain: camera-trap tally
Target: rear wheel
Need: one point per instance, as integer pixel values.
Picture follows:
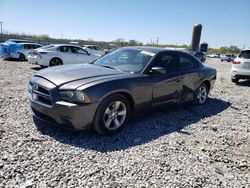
(235, 80)
(55, 62)
(201, 95)
(112, 114)
(22, 57)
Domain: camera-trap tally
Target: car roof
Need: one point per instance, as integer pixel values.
(153, 49)
(75, 45)
(148, 48)
(89, 45)
(29, 43)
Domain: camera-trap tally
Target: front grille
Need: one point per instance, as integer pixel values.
(41, 94)
(43, 90)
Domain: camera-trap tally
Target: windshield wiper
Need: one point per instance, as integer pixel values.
(107, 66)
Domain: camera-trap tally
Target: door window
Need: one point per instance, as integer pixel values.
(65, 49)
(79, 51)
(187, 62)
(168, 61)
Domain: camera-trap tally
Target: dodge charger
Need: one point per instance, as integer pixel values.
(126, 83)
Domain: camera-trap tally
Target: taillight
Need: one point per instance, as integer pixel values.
(236, 62)
(39, 54)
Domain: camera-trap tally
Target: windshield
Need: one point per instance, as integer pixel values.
(128, 60)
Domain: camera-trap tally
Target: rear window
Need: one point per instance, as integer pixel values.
(245, 54)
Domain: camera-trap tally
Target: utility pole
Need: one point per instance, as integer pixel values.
(1, 31)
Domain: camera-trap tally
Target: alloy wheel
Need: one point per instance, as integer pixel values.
(115, 115)
(202, 94)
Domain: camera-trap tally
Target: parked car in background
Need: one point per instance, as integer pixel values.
(127, 82)
(213, 55)
(60, 54)
(227, 57)
(95, 50)
(26, 49)
(18, 50)
(199, 55)
(241, 66)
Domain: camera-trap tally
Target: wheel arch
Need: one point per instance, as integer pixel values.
(208, 84)
(124, 93)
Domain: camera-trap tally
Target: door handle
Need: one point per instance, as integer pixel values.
(179, 80)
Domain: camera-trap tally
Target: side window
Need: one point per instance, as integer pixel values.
(187, 63)
(80, 51)
(29, 46)
(25, 46)
(168, 61)
(64, 49)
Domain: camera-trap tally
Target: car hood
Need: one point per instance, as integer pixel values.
(73, 76)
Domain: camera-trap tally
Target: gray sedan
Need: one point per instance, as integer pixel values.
(128, 82)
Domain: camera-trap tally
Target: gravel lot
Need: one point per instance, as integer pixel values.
(187, 146)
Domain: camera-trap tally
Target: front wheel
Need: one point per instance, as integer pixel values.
(112, 114)
(201, 95)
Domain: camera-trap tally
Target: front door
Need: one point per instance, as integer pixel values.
(167, 87)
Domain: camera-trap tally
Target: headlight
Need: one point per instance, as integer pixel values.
(30, 87)
(74, 96)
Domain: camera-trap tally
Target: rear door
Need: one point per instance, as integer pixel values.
(190, 68)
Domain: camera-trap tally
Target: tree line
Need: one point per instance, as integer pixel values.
(46, 39)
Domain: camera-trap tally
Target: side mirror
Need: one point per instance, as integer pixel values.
(158, 70)
(89, 53)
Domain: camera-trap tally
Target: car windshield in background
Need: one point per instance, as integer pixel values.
(245, 54)
(128, 60)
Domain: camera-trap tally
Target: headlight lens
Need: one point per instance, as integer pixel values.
(30, 87)
(74, 96)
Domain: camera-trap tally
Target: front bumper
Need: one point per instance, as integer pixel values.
(54, 110)
(65, 115)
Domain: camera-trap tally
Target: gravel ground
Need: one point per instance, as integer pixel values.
(187, 146)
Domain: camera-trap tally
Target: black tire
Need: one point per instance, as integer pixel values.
(235, 80)
(105, 123)
(55, 62)
(22, 57)
(201, 95)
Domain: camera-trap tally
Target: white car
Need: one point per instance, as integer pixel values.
(241, 66)
(212, 55)
(93, 49)
(228, 57)
(19, 50)
(60, 54)
(25, 49)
